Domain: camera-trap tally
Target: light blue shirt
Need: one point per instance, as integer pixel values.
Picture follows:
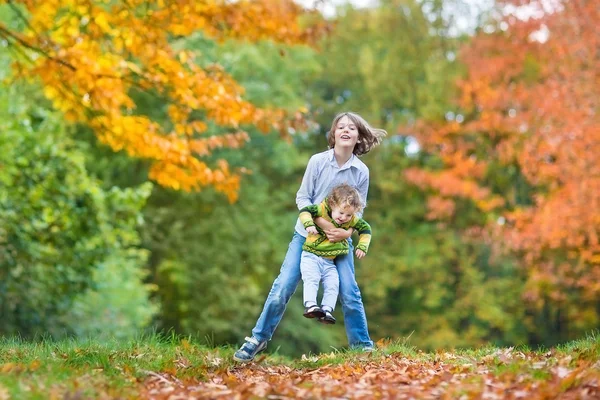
(323, 174)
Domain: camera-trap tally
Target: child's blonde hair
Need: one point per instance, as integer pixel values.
(344, 195)
(368, 137)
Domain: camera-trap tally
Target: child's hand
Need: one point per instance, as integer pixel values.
(312, 230)
(360, 254)
(338, 234)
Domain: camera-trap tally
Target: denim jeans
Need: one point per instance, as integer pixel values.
(285, 285)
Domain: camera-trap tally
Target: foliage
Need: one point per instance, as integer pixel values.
(90, 56)
(160, 368)
(56, 223)
(467, 246)
(213, 263)
(215, 289)
(117, 305)
(523, 154)
(424, 278)
(385, 63)
(421, 276)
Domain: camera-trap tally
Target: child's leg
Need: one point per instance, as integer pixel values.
(311, 276)
(331, 285)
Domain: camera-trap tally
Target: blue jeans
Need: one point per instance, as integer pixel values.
(285, 285)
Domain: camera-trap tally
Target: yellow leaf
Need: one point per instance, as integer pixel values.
(50, 92)
(73, 31)
(34, 365)
(8, 367)
(102, 22)
(133, 67)
(185, 344)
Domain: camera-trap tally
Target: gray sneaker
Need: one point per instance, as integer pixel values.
(249, 350)
(365, 348)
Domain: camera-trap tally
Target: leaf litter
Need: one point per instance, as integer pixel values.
(502, 374)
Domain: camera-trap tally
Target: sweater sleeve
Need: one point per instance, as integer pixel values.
(364, 234)
(307, 214)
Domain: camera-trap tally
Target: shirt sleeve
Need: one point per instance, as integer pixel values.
(363, 190)
(305, 195)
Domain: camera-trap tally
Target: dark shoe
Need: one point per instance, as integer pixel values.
(313, 312)
(249, 350)
(327, 318)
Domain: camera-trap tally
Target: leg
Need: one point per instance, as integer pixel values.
(355, 318)
(331, 286)
(283, 288)
(311, 276)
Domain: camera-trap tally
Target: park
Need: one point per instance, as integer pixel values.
(155, 156)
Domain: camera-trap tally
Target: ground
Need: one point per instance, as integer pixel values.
(175, 368)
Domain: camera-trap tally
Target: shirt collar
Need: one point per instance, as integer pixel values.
(352, 161)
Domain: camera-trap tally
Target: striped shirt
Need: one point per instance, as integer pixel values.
(323, 174)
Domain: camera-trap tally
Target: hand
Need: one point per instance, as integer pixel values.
(360, 254)
(312, 230)
(337, 234)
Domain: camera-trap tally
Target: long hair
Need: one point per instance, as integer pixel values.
(368, 137)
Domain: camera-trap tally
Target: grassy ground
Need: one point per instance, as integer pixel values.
(171, 368)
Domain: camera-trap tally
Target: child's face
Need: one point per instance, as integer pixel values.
(342, 214)
(346, 133)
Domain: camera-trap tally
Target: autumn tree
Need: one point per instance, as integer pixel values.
(385, 62)
(91, 55)
(522, 147)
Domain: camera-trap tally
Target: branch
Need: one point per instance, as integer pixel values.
(23, 43)
(20, 14)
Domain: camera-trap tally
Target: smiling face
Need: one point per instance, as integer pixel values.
(342, 214)
(346, 133)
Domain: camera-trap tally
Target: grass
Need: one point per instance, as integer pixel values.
(113, 369)
(90, 368)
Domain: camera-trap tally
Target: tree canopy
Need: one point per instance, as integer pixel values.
(91, 55)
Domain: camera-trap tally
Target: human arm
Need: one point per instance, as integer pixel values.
(364, 237)
(307, 215)
(311, 215)
(305, 194)
(333, 234)
(363, 190)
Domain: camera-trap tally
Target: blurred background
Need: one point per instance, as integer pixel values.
(484, 198)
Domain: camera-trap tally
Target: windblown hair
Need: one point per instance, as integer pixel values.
(345, 195)
(368, 137)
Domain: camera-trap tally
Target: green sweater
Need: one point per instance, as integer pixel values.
(319, 244)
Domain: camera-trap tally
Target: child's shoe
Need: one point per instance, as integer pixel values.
(313, 312)
(327, 318)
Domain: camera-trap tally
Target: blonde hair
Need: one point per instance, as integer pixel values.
(344, 195)
(368, 137)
